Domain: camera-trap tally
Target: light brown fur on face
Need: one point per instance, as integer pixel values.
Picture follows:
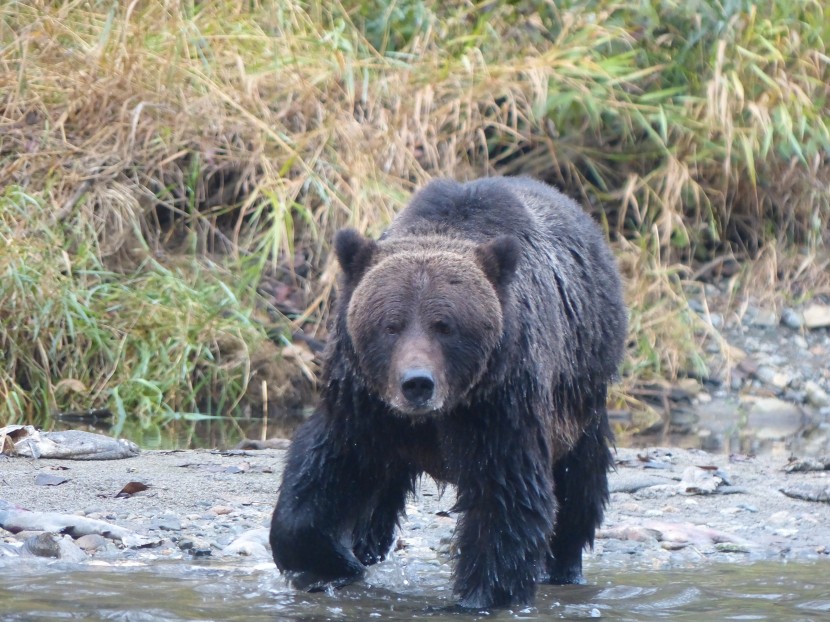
(410, 307)
(416, 351)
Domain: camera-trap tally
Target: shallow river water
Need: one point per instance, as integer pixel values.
(179, 591)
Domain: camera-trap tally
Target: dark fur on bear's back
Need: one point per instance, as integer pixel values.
(504, 293)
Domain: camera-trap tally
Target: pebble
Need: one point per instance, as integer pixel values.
(731, 547)
(800, 342)
(92, 542)
(166, 522)
(772, 376)
(815, 395)
(252, 543)
(785, 532)
(197, 547)
(764, 318)
(792, 319)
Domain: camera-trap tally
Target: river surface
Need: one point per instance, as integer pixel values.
(183, 591)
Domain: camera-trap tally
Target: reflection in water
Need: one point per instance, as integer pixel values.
(727, 425)
(204, 433)
(720, 426)
(169, 591)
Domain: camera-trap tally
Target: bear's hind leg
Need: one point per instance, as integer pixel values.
(581, 485)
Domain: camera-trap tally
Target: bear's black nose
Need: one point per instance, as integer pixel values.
(417, 385)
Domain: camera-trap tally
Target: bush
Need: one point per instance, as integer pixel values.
(175, 168)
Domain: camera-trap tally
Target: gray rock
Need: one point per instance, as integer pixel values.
(51, 545)
(773, 376)
(197, 547)
(42, 545)
(166, 522)
(799, 397)
(775, 358)
(92, 542)
(792, 319)
(817, 316)
(252, 543)
(70, 551)
(815, 395)
(764, 318)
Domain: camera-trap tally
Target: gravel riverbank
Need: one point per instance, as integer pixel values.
(669, 508)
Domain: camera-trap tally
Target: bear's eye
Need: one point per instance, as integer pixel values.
(442, 327)
(392, 328)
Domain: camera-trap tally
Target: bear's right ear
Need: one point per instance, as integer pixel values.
(354, 253)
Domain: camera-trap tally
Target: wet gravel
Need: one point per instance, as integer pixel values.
(669, 508)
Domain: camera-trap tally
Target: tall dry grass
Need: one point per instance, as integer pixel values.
(172, 167)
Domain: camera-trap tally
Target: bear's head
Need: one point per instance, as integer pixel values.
(424, 316)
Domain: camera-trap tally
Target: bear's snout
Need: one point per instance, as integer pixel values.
(416, 380)
(417, 386)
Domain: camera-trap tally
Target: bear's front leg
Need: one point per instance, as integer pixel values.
(321, 491)
(508, 507)
(375, 531)
(311, 558)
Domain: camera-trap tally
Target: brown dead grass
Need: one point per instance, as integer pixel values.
(237, 137)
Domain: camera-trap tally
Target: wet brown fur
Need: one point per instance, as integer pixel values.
(506, 291)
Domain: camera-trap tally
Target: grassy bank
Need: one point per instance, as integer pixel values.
(174, 170)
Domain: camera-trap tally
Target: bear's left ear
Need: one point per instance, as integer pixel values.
(498, 259)
(354, 253)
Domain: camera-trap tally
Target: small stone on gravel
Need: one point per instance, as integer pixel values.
(815, 395)
(166, 523)
(92, 542)
(792, 319)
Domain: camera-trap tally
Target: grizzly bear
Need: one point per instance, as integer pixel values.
(474, 341)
